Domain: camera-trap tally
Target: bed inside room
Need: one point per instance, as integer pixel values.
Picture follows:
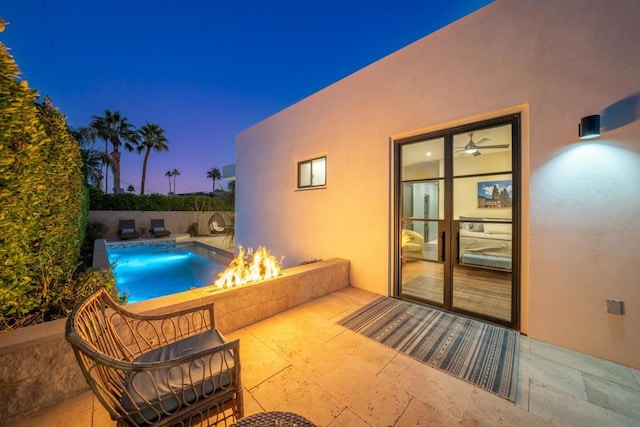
(485, 242)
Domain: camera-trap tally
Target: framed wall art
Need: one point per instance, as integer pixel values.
(495, 194)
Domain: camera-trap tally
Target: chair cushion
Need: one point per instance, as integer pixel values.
(413, 247)
(127, 230)
(169, 388)
(158, 229)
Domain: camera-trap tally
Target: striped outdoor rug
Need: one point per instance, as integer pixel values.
(480, 353)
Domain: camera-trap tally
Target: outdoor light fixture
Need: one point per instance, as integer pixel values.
(589, 127)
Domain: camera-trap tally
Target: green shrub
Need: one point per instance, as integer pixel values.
(43, 206)
(59, 304)
(100, 201)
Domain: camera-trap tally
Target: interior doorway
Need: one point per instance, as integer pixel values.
(458, 219)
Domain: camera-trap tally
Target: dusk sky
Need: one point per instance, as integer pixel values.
(204, 70)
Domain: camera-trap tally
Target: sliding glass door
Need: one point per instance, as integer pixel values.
(457, 209)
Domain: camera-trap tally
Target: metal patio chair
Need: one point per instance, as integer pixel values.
(169, 369)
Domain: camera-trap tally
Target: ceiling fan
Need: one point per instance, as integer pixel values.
(473, 147)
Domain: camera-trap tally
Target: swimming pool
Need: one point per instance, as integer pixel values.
(149, 270)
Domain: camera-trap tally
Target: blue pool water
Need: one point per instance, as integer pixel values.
(149, 271)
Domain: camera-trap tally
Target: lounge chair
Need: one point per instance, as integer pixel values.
(127, 229)
(157, 228)
(161, 370)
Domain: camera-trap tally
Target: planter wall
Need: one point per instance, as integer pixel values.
(38, 368)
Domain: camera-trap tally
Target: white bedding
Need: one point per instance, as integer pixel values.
(485, 243)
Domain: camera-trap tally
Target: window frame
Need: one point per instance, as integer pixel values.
(310, 161)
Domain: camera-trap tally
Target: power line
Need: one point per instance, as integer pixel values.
(53, 46)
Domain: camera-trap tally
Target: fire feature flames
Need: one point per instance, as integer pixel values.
(241, 270)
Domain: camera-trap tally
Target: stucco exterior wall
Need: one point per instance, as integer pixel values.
(554, 62)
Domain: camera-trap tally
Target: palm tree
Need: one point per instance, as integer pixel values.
(92, 160)
(114, 128)
(169, 174)
(175, 173)
(215, 175)
(152, 138)
(92, 163)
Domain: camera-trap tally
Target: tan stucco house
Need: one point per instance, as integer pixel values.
(451, 172)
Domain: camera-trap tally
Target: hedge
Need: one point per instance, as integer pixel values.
(43, 207)
(157, 202)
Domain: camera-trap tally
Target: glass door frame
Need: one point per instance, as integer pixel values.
(449, 223)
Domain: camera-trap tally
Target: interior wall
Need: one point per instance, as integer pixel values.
(581, 202)
(463, 204)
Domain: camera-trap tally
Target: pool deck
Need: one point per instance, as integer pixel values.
(303, 361)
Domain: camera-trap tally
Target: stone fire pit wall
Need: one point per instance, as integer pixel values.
(38, 368)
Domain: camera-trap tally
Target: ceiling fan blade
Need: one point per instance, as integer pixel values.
(486, 138)
(494, 146)
(476, 153)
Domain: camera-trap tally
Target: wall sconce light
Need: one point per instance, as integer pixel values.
(589, 127)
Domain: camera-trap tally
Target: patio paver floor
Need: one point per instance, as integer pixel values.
(302, 361)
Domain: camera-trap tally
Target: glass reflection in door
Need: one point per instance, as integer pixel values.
(482, 214)
(422, 270)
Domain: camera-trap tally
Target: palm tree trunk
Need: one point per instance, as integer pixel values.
(144, 170)
(115, 157)
(106, 167)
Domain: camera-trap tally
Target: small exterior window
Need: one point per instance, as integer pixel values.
(312, 173)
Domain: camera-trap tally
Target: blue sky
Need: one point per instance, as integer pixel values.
(204, 70)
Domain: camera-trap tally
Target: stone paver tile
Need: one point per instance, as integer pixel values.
(294, 339)
(419, 413)
(487, 409)
(359, 297)
(346, 354)
(522, 393)
(372, 398)
(562, 408)
(337, 305)
(258, 361)
(78, 411)
(290, 391)
(525, 344)
(251, 405)
(101, 417)
(636, 375)
(585, 363)
(348, 419)
(354, 380)
(446, 393)
(544, 371)
(613, 396)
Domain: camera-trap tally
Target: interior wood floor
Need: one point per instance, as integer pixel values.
(476, 290)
